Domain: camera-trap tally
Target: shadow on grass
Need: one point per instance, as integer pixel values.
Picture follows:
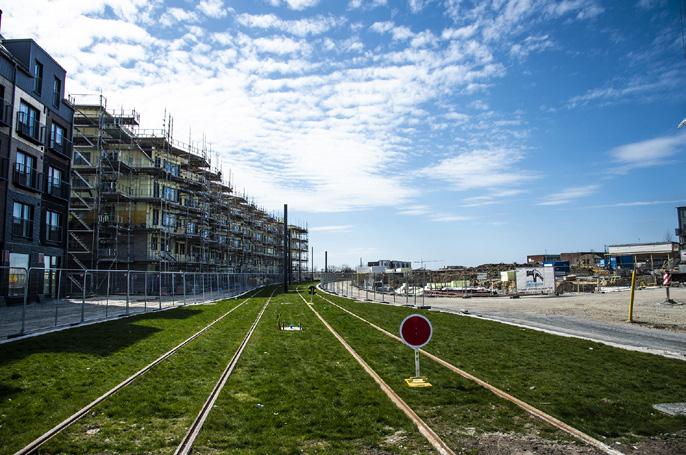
(102, 339)
(8, 391)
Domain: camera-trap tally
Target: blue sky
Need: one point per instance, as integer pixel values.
(459, 131)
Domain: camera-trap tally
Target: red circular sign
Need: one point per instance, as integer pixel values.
(415, 331)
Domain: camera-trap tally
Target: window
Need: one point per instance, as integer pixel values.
(191, 228)
(37, 77)
(153, 243)
(164, 245)
(170, 194)
(180, 248)
(25, 170)
(52, 226)
(57, 137)
(171, 168)
(155, 217)
(22, 217)
(55, 181)
(56, 92)
(27, 120)
(168, 219)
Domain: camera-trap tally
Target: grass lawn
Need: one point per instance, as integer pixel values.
(45, 379)
(152, 414)
(604, 391)
(301, 391)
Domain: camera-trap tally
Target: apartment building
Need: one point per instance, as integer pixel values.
(141, 200)
(298, 251)
(35, 161)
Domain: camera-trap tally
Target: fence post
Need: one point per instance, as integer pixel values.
(83, 296)
(59, 288)
(145, 292)
(128, 289)
(173, 283)
(183, 275)
(160, 290)
(107, 299)
(26, 298)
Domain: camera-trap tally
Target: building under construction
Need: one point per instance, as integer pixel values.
(141, 200)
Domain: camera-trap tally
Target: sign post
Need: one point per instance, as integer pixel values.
(666, 282)
(416, 331)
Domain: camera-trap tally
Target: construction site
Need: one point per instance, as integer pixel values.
(142, 200)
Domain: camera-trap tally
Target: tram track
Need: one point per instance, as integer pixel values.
(37, 443)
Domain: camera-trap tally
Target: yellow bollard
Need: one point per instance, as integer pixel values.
(631, 300)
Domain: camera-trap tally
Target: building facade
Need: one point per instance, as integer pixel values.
(35, 162)
(141, 200)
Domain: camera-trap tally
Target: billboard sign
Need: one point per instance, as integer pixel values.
(536, 279)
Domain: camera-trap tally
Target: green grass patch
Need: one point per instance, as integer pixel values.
(295, 392)
(153, 414)
(458, 410)
(604, 391)
(45, 379)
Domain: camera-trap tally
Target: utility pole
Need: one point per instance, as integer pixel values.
(285, 248)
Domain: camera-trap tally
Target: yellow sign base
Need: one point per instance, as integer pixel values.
(417, 382)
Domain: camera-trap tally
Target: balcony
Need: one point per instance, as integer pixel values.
(58, 188)
(53, 234)
(59, 147)
(5, 113)
(30, 128)
(26, 177)
(22, 228)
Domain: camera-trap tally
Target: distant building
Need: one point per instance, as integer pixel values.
(35, 162)
(385, 266)
(540, 259)
(654, 255)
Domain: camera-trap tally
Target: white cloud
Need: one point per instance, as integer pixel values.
(569, 194)
(332, 228)
(416, 5)
(279, 45)
(530, 45)
(414, 210)
(366, 4)
(213, 8)
(447, 218)
(300, 27)
(648, 153)
(297, 5)
(398, 32)
(479, 169)
(636, 204)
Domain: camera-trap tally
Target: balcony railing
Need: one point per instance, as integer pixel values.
(30, 128)
(22, 228)
(53, 234)
(58, 188)
(5, 113)
(59, 147)
(26, 177)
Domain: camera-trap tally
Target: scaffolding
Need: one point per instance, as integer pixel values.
(142, 200)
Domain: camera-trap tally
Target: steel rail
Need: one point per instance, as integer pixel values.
(426, 431)
(45, 437)
(498, 392)
(186, 445)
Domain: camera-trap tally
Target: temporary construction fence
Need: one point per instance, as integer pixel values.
(39, 298)
(407, 288)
